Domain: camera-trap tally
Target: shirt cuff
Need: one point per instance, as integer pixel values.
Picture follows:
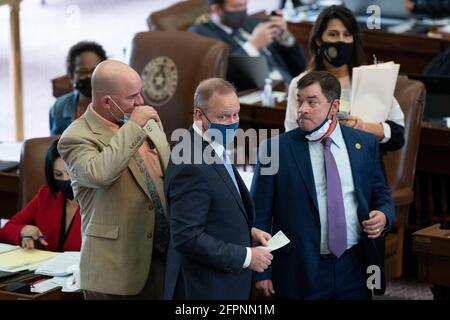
(248, 258)
(387, 132)
(250, 49)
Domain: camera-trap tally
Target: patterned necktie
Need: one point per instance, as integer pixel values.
(161, 231)
(337, 227)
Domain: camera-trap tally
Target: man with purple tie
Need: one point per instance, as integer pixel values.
(329, 198)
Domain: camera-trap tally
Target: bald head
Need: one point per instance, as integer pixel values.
(111, 76)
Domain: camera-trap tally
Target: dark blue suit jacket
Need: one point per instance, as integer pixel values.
(287, 201)
(210, 227)
(290, 60)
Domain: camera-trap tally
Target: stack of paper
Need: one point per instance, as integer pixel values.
(59, 266)
(372, 91)
(7, 247)
(23, 259)
(66, 284)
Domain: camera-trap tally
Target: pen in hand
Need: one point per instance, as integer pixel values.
(31, 237)
(30, 233)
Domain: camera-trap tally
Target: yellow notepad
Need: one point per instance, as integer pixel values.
(19, 258)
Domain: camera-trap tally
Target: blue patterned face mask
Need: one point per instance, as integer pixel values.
(126, 116)
(227, 132)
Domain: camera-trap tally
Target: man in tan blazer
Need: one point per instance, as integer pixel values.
(117, 154)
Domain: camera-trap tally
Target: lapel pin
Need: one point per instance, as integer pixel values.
(357, 146)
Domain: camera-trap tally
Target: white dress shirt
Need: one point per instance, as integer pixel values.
(219, 149)
(339, 151)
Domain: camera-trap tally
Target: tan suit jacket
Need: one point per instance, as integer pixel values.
(117, 211)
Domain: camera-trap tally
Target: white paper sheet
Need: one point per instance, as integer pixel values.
(277, 241)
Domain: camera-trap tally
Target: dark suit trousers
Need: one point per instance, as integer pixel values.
(341, 278)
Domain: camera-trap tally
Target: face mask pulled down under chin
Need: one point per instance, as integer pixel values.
(84, 87)
(320, 131)
(317, 133)
(337, 53)
(235, 19)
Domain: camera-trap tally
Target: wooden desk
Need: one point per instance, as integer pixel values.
(9, 194)
(432, 246)
(53, 294)
(412, 51)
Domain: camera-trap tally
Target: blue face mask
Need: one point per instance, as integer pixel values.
(222, 133)
(318, 132)
(126, 116)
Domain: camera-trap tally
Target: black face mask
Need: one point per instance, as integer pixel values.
(234, 19)
(84, 86)
(65, 188)
(337, 53)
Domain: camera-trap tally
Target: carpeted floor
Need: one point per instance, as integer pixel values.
(403, 289)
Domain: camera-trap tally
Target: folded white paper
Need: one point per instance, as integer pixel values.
(277, 241)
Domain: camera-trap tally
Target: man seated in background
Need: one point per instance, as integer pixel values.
(433, 8)
(252, 36)
(82, 59)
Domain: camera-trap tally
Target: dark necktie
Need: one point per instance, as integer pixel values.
(337, 226)
(161, 231)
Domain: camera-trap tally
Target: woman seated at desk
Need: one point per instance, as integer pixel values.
(336, 30)
(52, 217)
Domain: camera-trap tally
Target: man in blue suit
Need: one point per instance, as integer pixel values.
(252, 36)
(329, 198)
(211, 214)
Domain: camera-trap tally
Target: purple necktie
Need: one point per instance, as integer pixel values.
(337, 227)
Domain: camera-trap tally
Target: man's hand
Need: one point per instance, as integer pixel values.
(409, 6)
(260, 237)
(261, 259)
(35, 234)
(264, 288)
(263, 34)
(375, 225)
(141, 114)
(281, 25)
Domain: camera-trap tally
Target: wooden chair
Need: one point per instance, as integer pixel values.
(32, 165)
(171, 64)
(179, 16)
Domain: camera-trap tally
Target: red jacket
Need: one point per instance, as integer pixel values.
(45, 212)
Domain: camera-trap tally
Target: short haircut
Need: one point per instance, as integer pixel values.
(207, 88)
(331, 88)
(52, 155)
(78, 49)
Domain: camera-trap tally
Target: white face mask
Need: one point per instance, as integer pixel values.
(318, 133)
(125, 117)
